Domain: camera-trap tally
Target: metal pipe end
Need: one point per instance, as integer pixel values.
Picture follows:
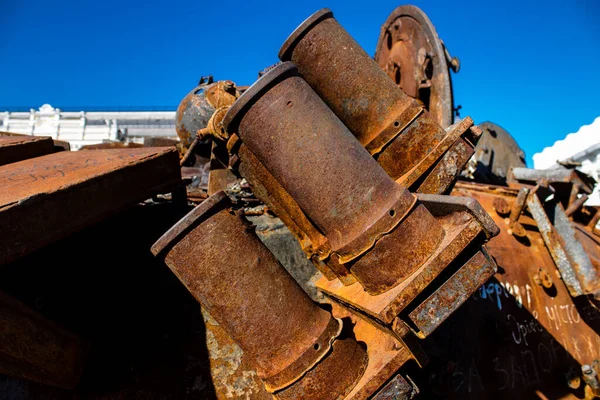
(208, 207)
(285, 53)
(249, 97)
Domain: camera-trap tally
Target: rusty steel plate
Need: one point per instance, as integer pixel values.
(410, 51)
(47, 198)
(386, 353)
(428, 315)
(19, 148)
(523, 337)
(34, 348)
(59, 145)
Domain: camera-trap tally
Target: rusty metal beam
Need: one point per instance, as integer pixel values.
(18, 148)
(574, 264)
(47, 198)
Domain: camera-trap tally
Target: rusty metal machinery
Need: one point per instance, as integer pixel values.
(396, 130)
(198, 119)
(495, 154)
(411, 53)
(375, 286)
(45, 199)
(350, 236)
(355, 243)
(293, 344)
(528, 337)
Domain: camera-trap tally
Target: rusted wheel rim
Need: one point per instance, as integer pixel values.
(411, 53)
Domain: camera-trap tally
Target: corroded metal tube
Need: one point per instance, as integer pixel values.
(333, 179)
(223, 264)
(391, 125)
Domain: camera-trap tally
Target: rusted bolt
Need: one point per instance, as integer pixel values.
(543, 278)
(501, 206)
(516, 229)
(519, 205)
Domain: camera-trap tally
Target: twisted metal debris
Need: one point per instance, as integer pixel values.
(349, 239)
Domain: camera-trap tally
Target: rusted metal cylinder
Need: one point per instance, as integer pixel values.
(334, 180)
(224, 265)
(386, 121)
(357, 90)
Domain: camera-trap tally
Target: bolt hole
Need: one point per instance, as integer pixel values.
(290, 104)
(317, 346)
(392, 213)
(396, 124)
(397, 76)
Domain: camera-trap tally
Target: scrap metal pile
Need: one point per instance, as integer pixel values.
(329, 233)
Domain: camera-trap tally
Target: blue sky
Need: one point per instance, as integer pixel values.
(532, 67)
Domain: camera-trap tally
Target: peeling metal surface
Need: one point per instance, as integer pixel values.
(571, 259)
(453, 293)
(461, 229)
(231, 371)
(397, 389)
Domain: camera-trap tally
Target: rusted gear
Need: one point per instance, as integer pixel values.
(410, 51)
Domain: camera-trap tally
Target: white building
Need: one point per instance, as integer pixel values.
(582, 147)
(92, 127)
